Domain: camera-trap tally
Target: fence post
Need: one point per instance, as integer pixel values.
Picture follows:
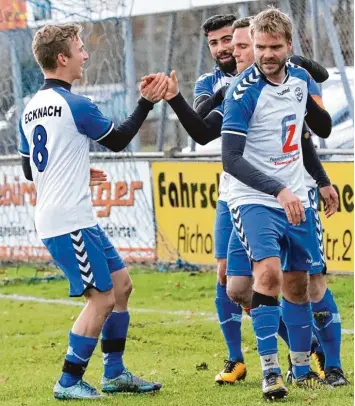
(338, 57)
(168, 60)
(16, 77)
(200, 67)
(286, 8)
(130, 74)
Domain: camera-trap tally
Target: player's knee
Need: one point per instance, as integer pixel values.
(127, 289)
(221, 271)
(240, 291)
(270, 278)
(317, 287)
(104, 302)
(295, 287)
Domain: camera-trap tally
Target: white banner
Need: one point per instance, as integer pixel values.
(123, 205)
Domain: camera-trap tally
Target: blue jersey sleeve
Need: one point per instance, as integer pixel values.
(87, 117)
(238, 110)
(313, 88)
(91, 121)
(24, 148)
(203, 86)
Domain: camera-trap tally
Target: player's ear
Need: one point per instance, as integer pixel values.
(62, 59)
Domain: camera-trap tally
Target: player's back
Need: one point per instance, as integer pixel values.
(59, 158)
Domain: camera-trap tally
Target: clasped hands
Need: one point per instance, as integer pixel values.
(159, 86)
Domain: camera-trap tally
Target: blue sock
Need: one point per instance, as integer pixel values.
(298, 320)
(230, 319)
(114, 334)
(327, 323)
(266, 321)
(79, 352)
(283, 332)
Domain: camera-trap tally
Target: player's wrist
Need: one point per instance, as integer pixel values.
(176, 98)
(278, 190)
(146, 103)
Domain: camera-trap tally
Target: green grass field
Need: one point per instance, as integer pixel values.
(173, 331)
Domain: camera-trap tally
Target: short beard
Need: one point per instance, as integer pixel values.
(227, 67)
(277, 71)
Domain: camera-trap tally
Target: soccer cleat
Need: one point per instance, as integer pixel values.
(274, 387)
(289, 373)
(311, 380)
(233, 371)
(319, 360)
(81, 390)
(335, 377)
(127, 382)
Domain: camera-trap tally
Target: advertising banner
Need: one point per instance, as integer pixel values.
(123, 205)
(12, 14)
(185, 198)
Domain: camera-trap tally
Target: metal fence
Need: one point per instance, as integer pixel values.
(122, 49)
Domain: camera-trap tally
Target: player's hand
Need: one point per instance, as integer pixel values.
(173, 87)
(153, 89)
(97, 176)
(331, 199)
(293, 207)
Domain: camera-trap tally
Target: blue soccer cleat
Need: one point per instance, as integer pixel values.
(80, 390)
(127, 382)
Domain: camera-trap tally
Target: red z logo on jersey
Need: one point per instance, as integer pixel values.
(288, 131)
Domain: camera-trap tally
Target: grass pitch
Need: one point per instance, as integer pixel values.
(174, 338)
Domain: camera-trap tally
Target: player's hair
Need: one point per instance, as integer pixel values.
(272, 21)
(216, 22)
(52, 40)
(242, 23)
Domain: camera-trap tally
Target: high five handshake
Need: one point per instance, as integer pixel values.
(159, 86)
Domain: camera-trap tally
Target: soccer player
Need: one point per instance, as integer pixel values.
(239, 285)
(56, 127)
(210, 89)
(264, 111)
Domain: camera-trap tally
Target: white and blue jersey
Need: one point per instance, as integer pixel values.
(207, 85)
(55, 129)
(271, 117)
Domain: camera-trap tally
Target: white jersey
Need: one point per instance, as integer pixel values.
(207, 85)
(56, 127)
(271, 117)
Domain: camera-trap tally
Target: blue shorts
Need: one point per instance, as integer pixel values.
(265, 232)
(87, 259)
(227, 243)
(223, 228)
(317, 246)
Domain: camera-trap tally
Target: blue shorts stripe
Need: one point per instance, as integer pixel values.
(240, 230)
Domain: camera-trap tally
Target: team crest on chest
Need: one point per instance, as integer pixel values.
(299, 94)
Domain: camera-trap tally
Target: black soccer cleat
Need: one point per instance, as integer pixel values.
(335, 377)
(273, 387)
(311, 380)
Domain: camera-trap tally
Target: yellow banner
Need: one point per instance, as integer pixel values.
(185, 198)
(339, 229)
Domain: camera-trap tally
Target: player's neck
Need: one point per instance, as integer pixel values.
(58, 76)
(279, 78)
